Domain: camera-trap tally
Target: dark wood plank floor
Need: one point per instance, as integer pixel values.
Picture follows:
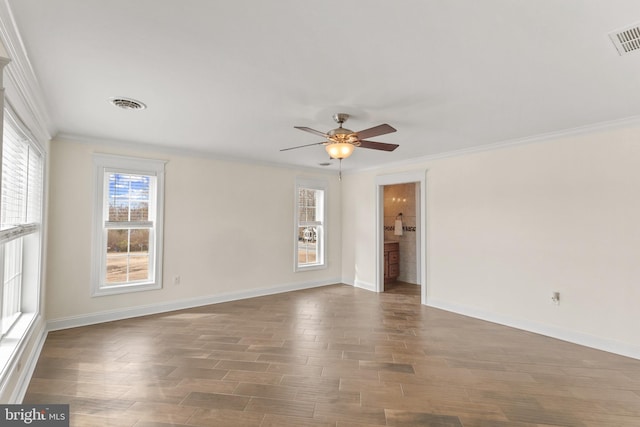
(333, 356)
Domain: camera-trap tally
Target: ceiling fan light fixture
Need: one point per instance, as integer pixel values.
(340, 150)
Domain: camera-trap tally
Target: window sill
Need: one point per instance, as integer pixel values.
(126, 289)
(12, 341)
(310, 267)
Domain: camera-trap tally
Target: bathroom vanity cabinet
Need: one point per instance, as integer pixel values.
(391, 261)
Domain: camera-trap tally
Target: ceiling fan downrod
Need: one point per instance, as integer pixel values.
(340, 118)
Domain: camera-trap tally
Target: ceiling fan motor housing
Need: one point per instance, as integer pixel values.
(343, 136)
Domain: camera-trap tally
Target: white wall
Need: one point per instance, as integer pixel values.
(228, 234)
(507, 227)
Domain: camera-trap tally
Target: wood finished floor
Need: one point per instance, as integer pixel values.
(334, 356)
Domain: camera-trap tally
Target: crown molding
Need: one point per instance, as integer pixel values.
(23, 91)
(130, 146)
(540, 138)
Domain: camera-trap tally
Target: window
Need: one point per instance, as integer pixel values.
(310, 227)
(127, 253)
(20, 223)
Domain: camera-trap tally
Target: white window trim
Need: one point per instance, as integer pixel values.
(108, 162)
(315, 184)
(14, 343)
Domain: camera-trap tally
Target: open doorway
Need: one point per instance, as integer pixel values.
(400, 213)
(401, 231)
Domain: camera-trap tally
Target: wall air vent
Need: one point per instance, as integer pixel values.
(127, 103)
(626, 40)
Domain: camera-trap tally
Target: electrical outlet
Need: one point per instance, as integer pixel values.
(176, 280)
(555, 297)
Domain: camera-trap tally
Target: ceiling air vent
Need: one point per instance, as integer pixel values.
(127, 103)
(626, 40)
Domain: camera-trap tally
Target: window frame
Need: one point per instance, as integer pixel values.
(28, 232)
(321, 237)
(108, 163)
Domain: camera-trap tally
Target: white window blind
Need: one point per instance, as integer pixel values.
(34, 186)
(21, 180)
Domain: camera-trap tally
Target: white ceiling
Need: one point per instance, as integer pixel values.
(232, 78)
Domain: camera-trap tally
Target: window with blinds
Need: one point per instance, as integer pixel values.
(128, 229)
(20, 217)
(310, 225)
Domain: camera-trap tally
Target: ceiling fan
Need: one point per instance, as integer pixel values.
(340, 142)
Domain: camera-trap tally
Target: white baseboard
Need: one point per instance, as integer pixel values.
(580, 338)
(129, 312)
(364, 285)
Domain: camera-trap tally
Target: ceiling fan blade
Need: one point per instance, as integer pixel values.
(378, 145)
(375, 131)
(302, 146)
(313, 131)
